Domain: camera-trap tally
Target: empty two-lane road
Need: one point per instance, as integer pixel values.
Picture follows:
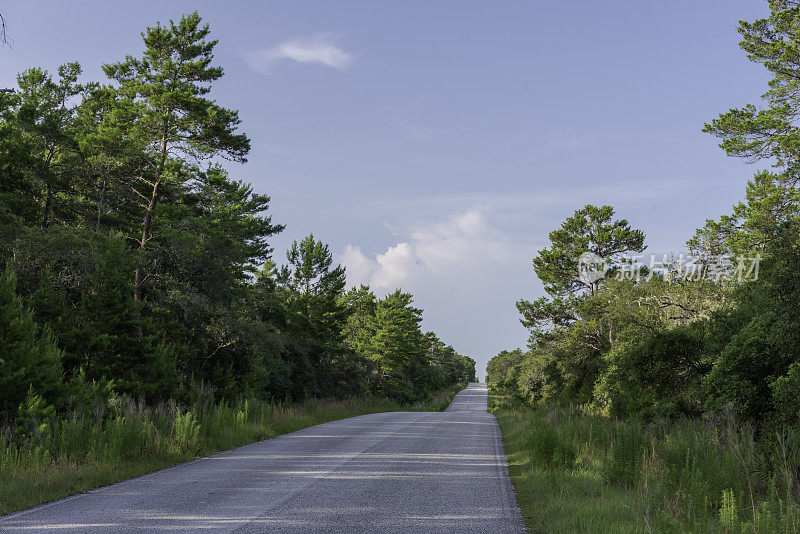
(388, 472)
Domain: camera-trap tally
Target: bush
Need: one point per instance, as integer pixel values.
(786, 396)
(749, 363)
(34, 415)
(540, 379)
(657, 376)
(186, 430)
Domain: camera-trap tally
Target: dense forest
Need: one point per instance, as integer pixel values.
(661, 338)
(132, 263)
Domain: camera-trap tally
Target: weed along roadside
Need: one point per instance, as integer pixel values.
(577, 471)
(73, 455)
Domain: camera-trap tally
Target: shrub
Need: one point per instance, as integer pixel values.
(749, 364)
(34, 415)
(185, 432)
(785, 398)
(728, 512)
(657, 376)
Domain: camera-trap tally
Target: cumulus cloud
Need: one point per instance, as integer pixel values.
(319, 50)
(394, 266)
(457, 267)
(463, 240)
(460, 243)
(359, 267)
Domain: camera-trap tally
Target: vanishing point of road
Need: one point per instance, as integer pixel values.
(388, 472)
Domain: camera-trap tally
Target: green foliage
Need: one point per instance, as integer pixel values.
(746, 366)
(361, 305)
(771, 201)
(500, 369)
(760, 349)
(33, 414)
(171, 121)
(785, 398)
(44, 120)
(79, 283)
(168, 85)
(590, 229)
(315, 288)
(728, 512)
(657, 376)
(186, 430)
(30, 356)
(539, 378)
(398, 348)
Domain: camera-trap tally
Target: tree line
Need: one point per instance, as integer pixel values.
(132, 262)
(673, 343)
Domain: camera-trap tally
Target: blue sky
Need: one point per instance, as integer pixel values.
(434, 145)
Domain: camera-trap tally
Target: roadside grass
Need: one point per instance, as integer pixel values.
(125, 439)
(577, 471)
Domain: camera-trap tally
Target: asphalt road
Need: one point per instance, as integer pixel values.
(391, 472)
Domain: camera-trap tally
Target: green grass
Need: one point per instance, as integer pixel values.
(124, 439)
(576, 471)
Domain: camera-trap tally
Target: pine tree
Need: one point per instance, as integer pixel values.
(141, 366)
(29, 355)
(398, 348)
(174, 119)
(360, 326)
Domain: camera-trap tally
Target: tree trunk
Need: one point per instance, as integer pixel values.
(139, 276)
(47, 202)
(100, 204)
(146, 223)
(49, 197)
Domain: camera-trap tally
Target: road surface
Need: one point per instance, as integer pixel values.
(390, 472)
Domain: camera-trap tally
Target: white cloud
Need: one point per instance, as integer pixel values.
(463, 240)
(319, 50)
(461, 243)
(394, 266)
(457, 268)
(359, 267)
